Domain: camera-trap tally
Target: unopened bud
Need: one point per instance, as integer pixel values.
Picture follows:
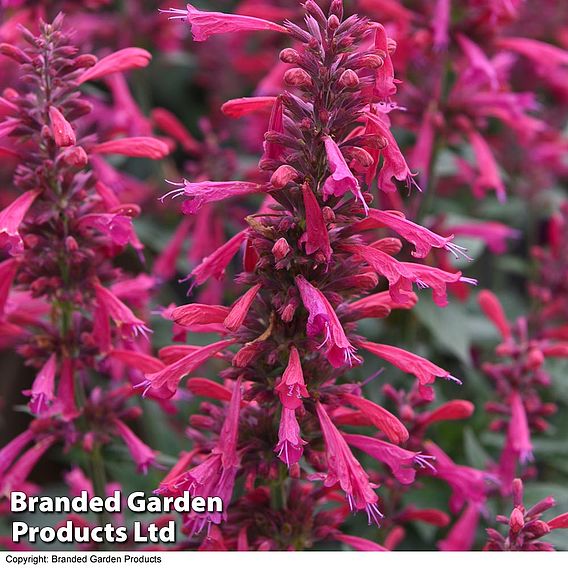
(84, 61)
(371, 61)
(71, 244)
(14, 53)
(333, 22)
(75, 156)
(297, 77)
(10, 94)
(328, 214)
(391, 45)
(517, 521)
(349, 78)
(336, 8)
(361, 156)
(537, 529)
(283, 176)
(289, 55)
(281, 249)
(535, 359)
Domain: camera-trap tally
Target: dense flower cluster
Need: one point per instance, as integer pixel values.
(64, 304)
(407, 150)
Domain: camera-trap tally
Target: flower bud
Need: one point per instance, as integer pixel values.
(63, 132)
(517, 521)
(535, 359)
(537, 529)
(370, 61)
(391, 45)
(336, 8)
(328, 214)
(349, 78)
(75, 156)
(333, 22)
(14, 53)
(283, 176)
(85, 60)
(361, 156)
(281, 248)
(71, 244)
(297, 77)
(289, 55)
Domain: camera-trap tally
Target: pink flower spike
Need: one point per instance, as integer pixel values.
(290, 445)
(316, 237)
(135, 147)
(203, 192)
(341, 179)
(241, 308)
(10, 220)
(63, 132)
(343, 468)
(142, 454)
(204, 24)
(235, 108)
(323, 319)
(292, 388)
(400, 461)
(493, 309)
(42, 395)
(121, 314)
(122, 60)
(492, 233)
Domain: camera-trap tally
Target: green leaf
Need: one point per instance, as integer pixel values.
(448, 326)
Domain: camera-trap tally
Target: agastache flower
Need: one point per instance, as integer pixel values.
(400, 461)
(341, 179)
(165, 382)
(290, 446)
(120, 313)
(425, 371)
(142, 454)
(323, 319)
(42, 391)
(204, 24)
(292, 388)
(203, 192)
(10, 220)
(122, 60)
(343, 468)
